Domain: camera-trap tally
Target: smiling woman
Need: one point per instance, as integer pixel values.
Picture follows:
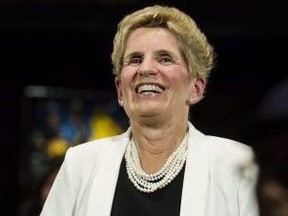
(162, 165)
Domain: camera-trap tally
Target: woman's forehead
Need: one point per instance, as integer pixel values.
(145, 38)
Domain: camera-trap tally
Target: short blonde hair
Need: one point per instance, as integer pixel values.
(196, 50)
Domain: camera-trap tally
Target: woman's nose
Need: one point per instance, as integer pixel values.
(146, 68)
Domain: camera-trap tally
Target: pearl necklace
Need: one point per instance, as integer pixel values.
(149, 183)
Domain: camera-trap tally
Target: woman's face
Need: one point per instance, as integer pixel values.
(154, 79)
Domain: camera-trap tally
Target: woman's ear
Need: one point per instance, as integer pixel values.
(197, 90)
(119, 90)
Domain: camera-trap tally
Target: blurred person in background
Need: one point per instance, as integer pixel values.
(270, 134)
(34, 205)
(162, 165)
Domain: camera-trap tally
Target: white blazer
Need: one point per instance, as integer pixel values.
(220, 178)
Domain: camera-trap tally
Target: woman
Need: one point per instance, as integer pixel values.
(161, 165)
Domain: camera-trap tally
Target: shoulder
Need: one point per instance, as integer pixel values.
(223, 149)
(233, 158)
(83, 161)
(220, 149)
(86, 157)
(94, 150)
(99, 145)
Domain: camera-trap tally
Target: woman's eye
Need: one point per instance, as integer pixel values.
(166, 60)
(135, 60)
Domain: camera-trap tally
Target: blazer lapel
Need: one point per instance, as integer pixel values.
(196, 177)
(104, 183)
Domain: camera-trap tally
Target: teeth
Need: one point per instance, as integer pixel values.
(149, 88)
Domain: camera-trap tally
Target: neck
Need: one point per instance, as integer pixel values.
(156, 144)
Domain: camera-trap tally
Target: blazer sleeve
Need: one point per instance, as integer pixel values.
(61, 198)
(235, 176)
(247, 196)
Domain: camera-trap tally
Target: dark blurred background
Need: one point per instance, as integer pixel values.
(68, 44)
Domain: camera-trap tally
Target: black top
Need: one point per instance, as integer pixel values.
(129, 201)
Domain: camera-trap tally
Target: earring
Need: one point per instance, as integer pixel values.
(120, 102)
(192, 100)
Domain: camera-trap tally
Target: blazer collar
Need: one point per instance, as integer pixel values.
(196, 177)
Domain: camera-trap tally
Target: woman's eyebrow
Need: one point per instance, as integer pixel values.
(136, 53)
(167, 52)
